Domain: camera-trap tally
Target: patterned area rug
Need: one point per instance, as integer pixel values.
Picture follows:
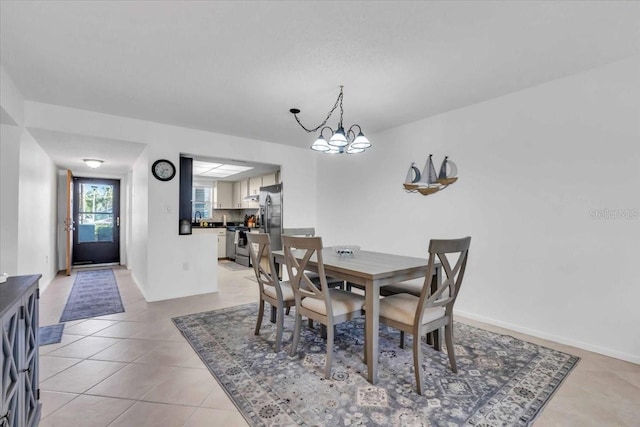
(94, 293)
(51, 334)
(500, 381)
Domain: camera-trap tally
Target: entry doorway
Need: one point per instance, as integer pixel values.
(96, 214)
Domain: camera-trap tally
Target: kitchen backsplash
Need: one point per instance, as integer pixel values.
(233, 215)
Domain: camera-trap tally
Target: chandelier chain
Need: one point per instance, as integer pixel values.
(338, 101)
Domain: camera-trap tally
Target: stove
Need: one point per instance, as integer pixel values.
(242, 246)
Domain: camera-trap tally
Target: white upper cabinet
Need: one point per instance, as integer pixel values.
(254, 185)
(237, 195)
(254, 190)
(269, 179)
(223, 195)
(231, 195)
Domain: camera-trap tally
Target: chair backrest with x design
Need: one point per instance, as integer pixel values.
(259, 249)
(298, 252)
(447, 292)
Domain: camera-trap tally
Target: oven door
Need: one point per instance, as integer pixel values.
(242, 249)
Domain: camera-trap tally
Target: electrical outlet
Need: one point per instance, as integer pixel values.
(185, 266)
(46, 259)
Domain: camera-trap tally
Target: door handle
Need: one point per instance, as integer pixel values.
(118, 221)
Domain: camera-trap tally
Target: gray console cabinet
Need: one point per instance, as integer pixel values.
(19, 393)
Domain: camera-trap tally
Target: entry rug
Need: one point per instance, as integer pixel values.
(51, 334)
(94, 293)
(501, 380)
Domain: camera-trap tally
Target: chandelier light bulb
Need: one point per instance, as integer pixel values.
(338, 139)
(361, 141)
(320, 144)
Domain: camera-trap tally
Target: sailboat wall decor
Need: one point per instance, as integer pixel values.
(428, 182)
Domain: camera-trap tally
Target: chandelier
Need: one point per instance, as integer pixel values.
(340, 141)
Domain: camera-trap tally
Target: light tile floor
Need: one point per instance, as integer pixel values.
(136, 369)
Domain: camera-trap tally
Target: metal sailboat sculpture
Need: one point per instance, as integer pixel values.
(428, 182)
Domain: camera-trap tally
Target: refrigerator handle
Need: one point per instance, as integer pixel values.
(267, 214)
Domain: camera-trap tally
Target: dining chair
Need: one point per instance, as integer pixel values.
(310, 232)
(413, 287)
(329, 306)
(431, 310)
(272, 290)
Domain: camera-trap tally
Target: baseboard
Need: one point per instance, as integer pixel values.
(551, 337)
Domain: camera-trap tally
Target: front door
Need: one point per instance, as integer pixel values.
(96, 213)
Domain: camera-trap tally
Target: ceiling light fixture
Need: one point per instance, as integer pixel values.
(340, 141)
(93, 163)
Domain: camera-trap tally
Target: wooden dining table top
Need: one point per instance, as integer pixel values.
(367, 265)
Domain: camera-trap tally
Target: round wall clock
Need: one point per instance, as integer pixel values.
(163, 170)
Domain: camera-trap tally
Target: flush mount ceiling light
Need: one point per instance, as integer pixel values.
(340, 141)
(93, 163)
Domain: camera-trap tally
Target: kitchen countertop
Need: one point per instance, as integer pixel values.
(230, 226)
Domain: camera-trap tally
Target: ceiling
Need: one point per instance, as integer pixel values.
(238, 67)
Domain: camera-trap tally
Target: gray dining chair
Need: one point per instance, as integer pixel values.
(277, 293)
(418, 315)
(326, 305)
(310, 232)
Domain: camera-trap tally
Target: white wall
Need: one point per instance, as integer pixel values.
(158, 253)
(12, 110)
(37, 211)
(27, 193)
(534, 165)
(139, 218)
(9, 176)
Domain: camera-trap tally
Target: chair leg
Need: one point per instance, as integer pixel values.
(273, 314)
(296, 335)
(288, 310)
(260, 314)
(323, 331)
(401, 339)
(437, 339)
(279, 327)
(448, 336)
(417, 362)
(330, 337)
(310, 323)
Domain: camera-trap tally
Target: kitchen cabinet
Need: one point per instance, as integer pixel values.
(254, 190)
(222, 242)
(19, 357)
(231, 245)
(254, 185)
(237, 195)
(244, 188)
(223, 195)
(269, 179)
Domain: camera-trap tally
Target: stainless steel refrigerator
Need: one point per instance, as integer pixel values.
(271, 213)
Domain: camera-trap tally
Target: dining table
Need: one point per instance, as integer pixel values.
(371, 271)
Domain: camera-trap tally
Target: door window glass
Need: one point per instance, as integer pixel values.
(96, 217)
